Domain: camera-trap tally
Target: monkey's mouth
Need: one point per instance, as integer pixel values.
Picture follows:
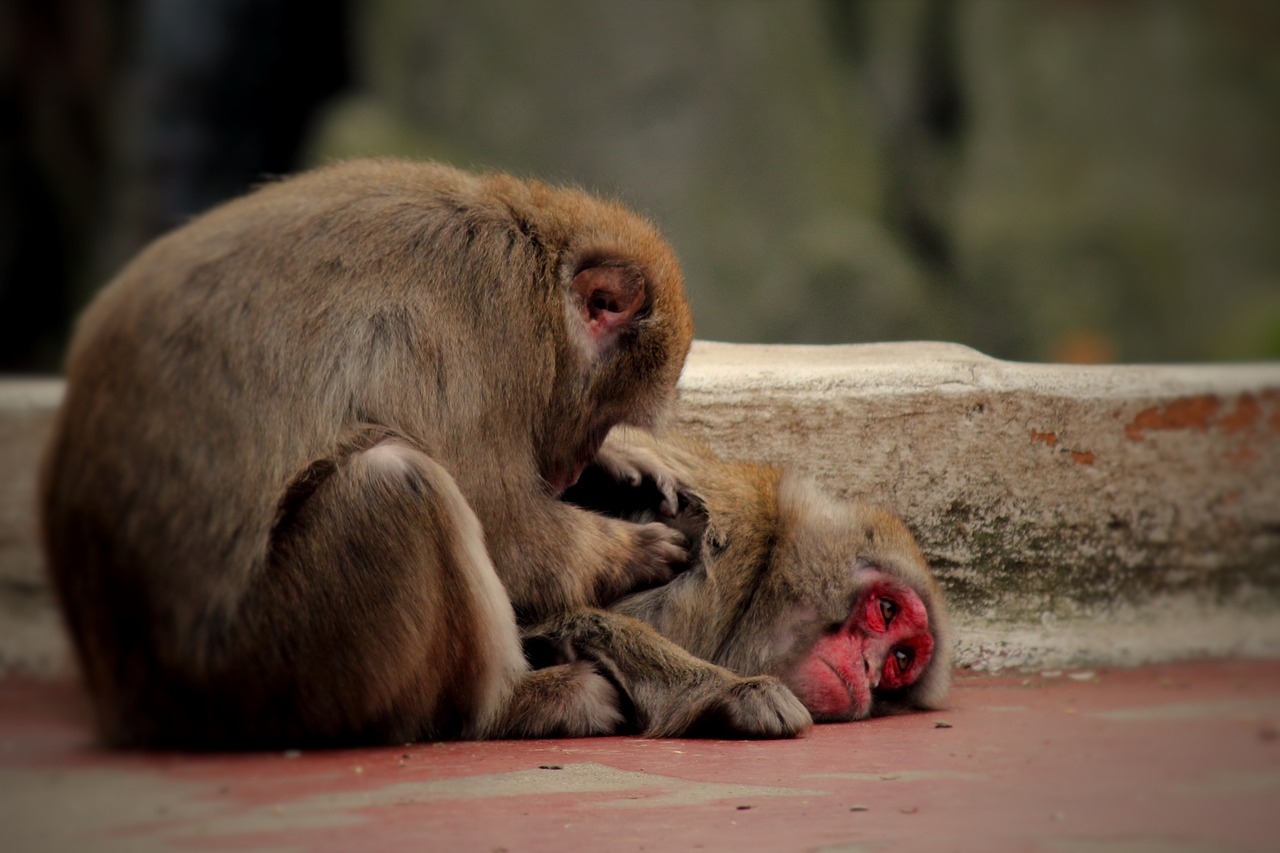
(568, 475)
(832, 693)
(561, 480)
(858, 690)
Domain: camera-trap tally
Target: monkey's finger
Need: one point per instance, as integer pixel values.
(620, 470)
(665, 548)
(631, 475)
(673, 546)
(673, 554)
(644, 465)
(670, 493)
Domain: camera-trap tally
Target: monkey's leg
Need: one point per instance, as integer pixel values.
(555, 557)
(379, 615)
(673, 692)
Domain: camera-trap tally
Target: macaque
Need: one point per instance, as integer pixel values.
(305, 479)
(832, 599)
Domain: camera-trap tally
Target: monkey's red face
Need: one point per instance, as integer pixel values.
(884, 645)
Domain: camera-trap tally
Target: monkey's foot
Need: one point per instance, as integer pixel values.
(568, 700)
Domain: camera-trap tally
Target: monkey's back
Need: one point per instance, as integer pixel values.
(214, 366)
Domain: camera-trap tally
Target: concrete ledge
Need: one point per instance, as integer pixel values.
(31, 637)
(1076, 515)
(1112, 514)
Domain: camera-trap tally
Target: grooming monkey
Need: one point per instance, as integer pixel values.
(832, 598)
(305, 476)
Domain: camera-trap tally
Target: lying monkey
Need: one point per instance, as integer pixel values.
(832, 598)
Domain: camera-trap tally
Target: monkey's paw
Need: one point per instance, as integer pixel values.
(654, 554)
(630, 464)
(660, 552)
(757, 707)
(567, 700)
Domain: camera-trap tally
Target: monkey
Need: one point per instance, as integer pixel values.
(830, 600)
(304, 483)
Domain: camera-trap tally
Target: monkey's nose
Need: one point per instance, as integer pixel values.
(873, 672)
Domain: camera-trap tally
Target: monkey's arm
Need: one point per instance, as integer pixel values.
(554, 557)
(672, 692)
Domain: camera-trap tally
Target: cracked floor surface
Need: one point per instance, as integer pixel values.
(1181, 757)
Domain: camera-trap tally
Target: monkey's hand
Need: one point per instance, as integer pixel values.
(658, 552)
(630, 463)
(754, 707)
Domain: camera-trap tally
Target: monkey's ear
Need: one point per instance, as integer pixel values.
(608, 298)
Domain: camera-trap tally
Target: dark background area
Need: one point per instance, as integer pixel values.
(1077, 180)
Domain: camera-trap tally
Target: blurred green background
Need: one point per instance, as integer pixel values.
(1072, 180)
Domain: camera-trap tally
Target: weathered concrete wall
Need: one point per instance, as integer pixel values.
(1075, 515)
(30, 636)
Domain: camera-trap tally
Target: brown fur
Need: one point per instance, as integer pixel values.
(303, 432)
(775, 564)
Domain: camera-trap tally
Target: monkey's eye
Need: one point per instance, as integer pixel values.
(902, 659)
(888, 610)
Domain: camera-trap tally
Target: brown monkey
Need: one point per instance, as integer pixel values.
(832, 598)
(310, 437)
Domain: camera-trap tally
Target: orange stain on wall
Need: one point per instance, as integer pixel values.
(1186, 413)
(1044, 438)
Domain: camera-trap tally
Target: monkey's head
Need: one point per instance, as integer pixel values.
(833, 597)
(628, 324)
(872, 636)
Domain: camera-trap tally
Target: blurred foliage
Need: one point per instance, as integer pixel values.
(1040, 179)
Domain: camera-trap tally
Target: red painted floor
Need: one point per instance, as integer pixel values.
(1181, 758)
